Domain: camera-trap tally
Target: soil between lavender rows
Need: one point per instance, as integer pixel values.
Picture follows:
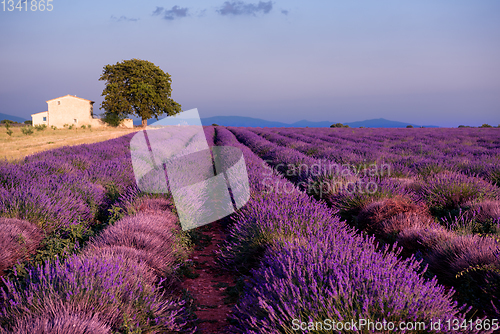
(208, 289)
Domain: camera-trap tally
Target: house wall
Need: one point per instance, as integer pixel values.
(127, 123)
(97, 123)
(70, 110)
(37, 119)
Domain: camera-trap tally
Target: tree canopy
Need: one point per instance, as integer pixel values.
(136, 87)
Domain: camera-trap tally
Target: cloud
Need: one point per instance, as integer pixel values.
(284, 11)
(171, 14)
(176, 11)
(158, 10)
(241, 8)
(123, 18)
(202, 13)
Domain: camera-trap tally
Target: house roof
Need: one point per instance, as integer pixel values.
(73, 96)
(41, 112)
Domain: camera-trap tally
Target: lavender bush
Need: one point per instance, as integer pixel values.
(421, 237)
(116, 290)
(333, 277)
(151, 238)
(379, 217)
(18, 239)
(475, 218)
(447, 191)
(63, 322)
(270, 220)
(472, 264)
(351, 203)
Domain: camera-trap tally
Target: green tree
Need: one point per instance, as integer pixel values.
(136, 87)
(409, 126)
(27, 130)
(7, 127)
(339, 125)
(485, 126)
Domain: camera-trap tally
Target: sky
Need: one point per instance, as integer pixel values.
(427, 62)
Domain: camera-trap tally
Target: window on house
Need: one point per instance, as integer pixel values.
(58, 102)
(76, 120)
(45, 119)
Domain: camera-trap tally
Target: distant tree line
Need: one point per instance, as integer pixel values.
(482, 126)
(340, 125)
(8, 121)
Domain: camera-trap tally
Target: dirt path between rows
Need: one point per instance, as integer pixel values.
(208, 289)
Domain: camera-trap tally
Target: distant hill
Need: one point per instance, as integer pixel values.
(384, 123)
(12, 118)
(243, 121)
(257, 122)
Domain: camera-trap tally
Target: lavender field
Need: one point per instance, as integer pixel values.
(385, 225)
(329, 207)
(82, 250)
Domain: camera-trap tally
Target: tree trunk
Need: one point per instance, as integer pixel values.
(144, 122)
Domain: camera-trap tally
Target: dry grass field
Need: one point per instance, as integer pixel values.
(19, 145)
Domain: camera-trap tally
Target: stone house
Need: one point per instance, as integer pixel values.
(71, 110)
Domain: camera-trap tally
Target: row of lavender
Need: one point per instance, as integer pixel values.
(58, 192)
(399, 211)
(118, 281)
(446, 191)
(465, 203)
(410, 152)
(307, 266)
